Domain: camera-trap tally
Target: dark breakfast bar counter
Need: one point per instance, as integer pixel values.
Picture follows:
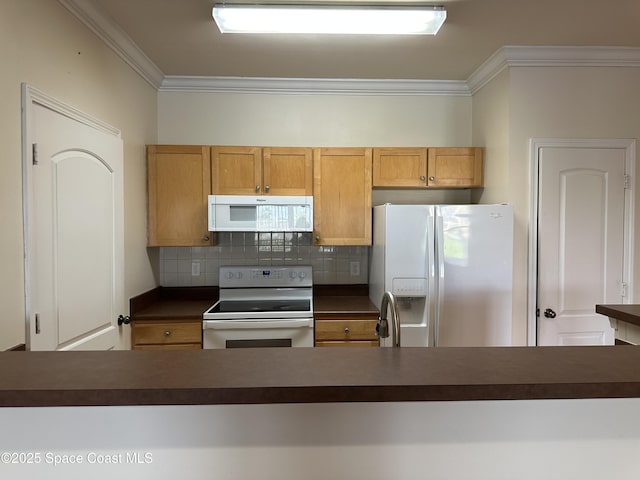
(625, 320)
(314, 375)
(629, 313)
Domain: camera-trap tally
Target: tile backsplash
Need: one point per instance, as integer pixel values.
(199, 266)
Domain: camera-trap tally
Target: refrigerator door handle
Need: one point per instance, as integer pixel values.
(440, 273)
(430, 268)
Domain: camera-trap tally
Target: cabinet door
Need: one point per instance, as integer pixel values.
(342, 196)
(287, 171)
(455, 167)
(236, 170)
(399, 167)
(179, 180)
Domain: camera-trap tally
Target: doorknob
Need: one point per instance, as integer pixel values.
(548, 313)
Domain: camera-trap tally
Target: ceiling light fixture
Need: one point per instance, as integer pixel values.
(330, 19)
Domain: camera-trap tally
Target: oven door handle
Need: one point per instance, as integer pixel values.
(261, 324)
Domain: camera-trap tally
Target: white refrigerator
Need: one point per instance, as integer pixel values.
(450, 269)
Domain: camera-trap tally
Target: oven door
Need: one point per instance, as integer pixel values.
(256, 333)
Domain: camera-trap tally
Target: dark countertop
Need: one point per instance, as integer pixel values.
(316, 375)
(174, 310)
(626, 313)
(187, 303)
(172, 303)
(340, 304)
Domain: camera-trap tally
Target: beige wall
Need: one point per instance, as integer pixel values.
(313, 120)
(491, 129)
(490, 119)
(42, 44)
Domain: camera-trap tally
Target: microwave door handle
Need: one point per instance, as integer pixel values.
(252, 324)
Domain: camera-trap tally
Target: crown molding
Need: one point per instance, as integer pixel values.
(567, 56)
(115, 38)
(313, 86)
(486, 72)
(554, 56)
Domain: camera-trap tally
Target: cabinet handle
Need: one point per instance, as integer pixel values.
(167, 333)
(346, 330)
(266, 188)
(257, 188)
(432, 178)
(205, 238)
(317, 238)
(423, 178)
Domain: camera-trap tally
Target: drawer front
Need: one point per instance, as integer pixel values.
(169, 346)
(167, 333)
(363, 343)
(345, 330)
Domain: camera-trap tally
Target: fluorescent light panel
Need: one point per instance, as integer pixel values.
(329, 19)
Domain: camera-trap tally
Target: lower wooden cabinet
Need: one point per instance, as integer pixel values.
(166, 335)
(346, 330)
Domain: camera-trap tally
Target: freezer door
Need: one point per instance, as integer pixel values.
(408, 250)
(475, 256)
(402, 263)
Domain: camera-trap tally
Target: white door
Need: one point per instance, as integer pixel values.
(73, 227)
(581, 242)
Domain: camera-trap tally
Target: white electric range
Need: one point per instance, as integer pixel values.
(261, 307)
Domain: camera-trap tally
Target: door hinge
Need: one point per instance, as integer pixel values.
(34, 153)
(37, 318)
(623, 289)
(627, 181)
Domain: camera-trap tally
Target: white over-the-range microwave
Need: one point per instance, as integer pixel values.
(260, 213)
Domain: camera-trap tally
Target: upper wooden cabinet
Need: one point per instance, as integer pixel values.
(179, 180)
(427, 167)
(261, 171)
(399, 167)
(342, 196)
(455, 167)
(287, 170)
(236, 170)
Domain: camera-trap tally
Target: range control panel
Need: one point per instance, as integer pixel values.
(242, 276)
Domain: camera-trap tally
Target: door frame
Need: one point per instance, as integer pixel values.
(32, 96)
(535, 144)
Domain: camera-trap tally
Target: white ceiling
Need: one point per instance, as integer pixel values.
(180, 38)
